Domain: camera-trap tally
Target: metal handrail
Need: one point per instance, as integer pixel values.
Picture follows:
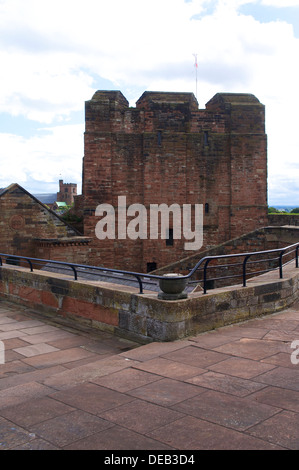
(201, 264)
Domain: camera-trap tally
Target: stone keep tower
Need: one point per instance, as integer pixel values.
(166, 150)
(66, 193)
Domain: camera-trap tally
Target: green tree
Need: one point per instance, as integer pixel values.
(272, 210)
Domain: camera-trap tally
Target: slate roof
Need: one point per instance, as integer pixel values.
(2, 190)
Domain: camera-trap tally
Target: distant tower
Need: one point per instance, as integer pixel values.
(67, 191)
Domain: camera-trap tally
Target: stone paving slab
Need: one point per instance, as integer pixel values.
(234, 388)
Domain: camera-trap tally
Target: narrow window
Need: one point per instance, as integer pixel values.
(207, 208)
(169, 237)
(206, 138)
(151, 266)
(159, 138)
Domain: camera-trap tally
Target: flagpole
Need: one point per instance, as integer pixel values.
(196, 67)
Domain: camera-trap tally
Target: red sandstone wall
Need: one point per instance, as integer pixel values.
(267, 238)
(24, 223)
(167, 151)
(145, 316)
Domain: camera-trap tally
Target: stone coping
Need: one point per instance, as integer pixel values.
(123, 311)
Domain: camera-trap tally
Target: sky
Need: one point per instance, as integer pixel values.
(55, 54)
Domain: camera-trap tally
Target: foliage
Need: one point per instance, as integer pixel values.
(273, 210)
(69, 218)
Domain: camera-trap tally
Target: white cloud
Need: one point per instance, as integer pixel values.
(280, 3)
(52, 154)
(55, 54)
(42, 88)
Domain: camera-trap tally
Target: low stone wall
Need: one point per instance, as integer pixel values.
(283, 219)
(266, 238)
(144, 317)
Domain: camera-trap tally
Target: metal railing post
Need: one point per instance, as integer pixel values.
(244, 269)
(205, 276)
(280, 264)
(74, 270)
(30, 264)
(140, 285)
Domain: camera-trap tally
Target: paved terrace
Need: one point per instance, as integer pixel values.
(232, 388)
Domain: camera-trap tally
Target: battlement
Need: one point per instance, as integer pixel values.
(115, 99)
(245, 112)
(221, 99)
(156, 100)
